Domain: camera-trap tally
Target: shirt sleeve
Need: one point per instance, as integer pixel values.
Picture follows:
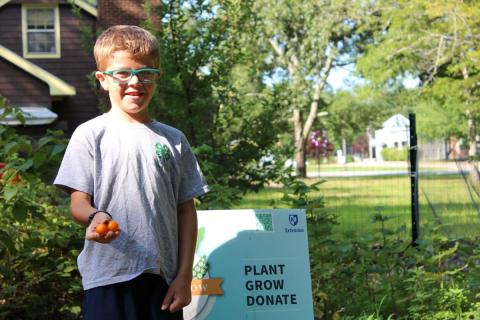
(192, 181)
(76, 169)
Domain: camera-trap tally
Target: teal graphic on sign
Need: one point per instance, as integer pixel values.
(251, 264)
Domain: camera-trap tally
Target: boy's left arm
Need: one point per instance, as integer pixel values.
(179, 293)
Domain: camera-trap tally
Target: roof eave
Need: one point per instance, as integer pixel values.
(86, 6)
(82, 4)
(4, 2)
(58, 87)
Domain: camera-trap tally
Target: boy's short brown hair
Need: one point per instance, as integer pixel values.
(138, 41)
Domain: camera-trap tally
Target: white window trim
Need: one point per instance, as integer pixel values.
(57, 53)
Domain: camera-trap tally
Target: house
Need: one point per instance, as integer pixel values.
(46, 58)
(394, 133)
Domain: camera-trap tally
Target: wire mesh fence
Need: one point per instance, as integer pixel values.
(371, 192)
(449, 197)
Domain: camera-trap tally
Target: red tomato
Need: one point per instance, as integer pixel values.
(2, 165)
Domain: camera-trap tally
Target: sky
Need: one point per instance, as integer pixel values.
(342, 78)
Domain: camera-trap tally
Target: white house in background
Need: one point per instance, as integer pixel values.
(393, 134)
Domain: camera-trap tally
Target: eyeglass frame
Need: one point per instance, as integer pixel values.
(133, 72)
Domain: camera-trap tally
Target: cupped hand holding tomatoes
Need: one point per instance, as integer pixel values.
(102, 229)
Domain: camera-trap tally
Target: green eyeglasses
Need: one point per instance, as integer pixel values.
(123, 76)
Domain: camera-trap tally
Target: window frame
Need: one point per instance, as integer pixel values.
(56, 18)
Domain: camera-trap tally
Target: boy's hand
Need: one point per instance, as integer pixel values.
(179, 294)
(91, 233)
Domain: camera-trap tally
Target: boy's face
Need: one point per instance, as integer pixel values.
(130, 100)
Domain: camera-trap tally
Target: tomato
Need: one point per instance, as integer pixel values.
(113, 225)
(16, 180)
(2, 165)
(101, 229)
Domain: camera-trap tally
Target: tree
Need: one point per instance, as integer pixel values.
(305, 40)
(211, 90)
(437, 42)
(351, 113)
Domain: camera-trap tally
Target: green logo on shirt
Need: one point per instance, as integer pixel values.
(162, 152)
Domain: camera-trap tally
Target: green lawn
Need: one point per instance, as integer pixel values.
(313, 165)
(354, 200)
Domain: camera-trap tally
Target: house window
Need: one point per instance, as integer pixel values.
(41, 32)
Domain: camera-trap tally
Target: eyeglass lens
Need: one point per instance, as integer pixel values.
(144, 76)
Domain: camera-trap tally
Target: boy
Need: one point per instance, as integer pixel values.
(142, 173)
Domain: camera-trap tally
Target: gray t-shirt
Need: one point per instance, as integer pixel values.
(138, 173)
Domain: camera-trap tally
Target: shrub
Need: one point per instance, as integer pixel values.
(38, 241)
(385, 277)
(394, 154)
(382, 276)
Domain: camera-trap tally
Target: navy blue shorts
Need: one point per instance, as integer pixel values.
(137, 299)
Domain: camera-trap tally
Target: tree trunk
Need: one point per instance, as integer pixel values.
(317, 90)
(299, 144)
(472, 149)
(302, 130)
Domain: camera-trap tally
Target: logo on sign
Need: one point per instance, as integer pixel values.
(293, 218)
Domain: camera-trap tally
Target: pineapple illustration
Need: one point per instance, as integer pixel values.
(200, 268)
(199, 271)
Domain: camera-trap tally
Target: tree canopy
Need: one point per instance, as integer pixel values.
(438, 43)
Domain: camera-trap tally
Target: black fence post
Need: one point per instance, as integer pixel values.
(414, 178)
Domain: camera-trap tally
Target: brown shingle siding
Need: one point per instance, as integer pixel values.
(11, 28)
(21, 88)
(123, 12)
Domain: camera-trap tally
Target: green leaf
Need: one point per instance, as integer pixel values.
(39, 159)
(9, 192)
(444, 254)
(59, 148)
(20, 117)
(56, 133)
(75, 310)
(26, 165)
(20, 211)
(7, 273)
(69, 269)
(45, 140)
(7, 242)
(8, 148)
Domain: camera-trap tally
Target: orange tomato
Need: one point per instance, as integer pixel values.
(101, 229)
(113, 225)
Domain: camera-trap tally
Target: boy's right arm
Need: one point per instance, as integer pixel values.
(81, 208)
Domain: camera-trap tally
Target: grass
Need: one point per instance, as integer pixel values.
(354, 200)
(313, 165)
